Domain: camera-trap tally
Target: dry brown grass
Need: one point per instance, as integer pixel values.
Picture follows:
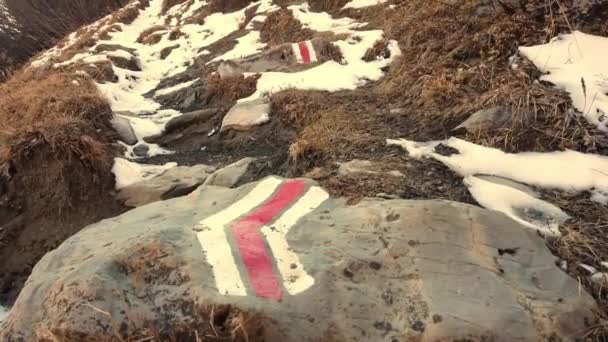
(52, 111)
(227, 6)
(330, 6)
(225, 91)
(281, 27)
(151, 35)
(207, 323)
(443, 81)
(167, 4)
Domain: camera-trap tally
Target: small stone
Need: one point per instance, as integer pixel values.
(141, 150)
(375, 265)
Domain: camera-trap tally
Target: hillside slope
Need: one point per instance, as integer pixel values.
(498, 104)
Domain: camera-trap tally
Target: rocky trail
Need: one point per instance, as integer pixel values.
(285, 170)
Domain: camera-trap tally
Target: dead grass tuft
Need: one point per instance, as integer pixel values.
(52, 111)
(209, 323)
(329, 6)
(152, 35)
(378, 50)
(281, 27)
(443, 81)
(227, 6)
(225, 91)
(55, 167)
(168, 4)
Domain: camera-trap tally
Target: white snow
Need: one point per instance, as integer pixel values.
(247, 45)
(571, 60)
(128, 173)
(3, 313)
(173, 89)
(363, 3)
(321, 21)
(568, 170)
(119, 53)
(514, 203)
(332, 76)
(129, 95)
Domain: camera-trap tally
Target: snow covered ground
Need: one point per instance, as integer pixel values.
(3, 313)
(576, 62)
(127, 95)
(569, 171)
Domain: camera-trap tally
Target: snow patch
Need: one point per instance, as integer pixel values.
(3, 313)
(363, 3)
(173, 89)
(247, 45)
(576, 62)
(518, 205)
(569, 171)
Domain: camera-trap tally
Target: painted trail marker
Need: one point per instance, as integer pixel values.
(257, 247)
(304, 52)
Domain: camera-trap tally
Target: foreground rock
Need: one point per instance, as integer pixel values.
(316, 270)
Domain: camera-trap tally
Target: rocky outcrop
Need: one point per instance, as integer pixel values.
(180, 181)
(314, 268)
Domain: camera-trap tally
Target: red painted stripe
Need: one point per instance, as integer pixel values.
(251, 244)
(304, 52)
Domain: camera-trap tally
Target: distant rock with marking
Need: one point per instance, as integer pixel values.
(306, 267)
(285, 57)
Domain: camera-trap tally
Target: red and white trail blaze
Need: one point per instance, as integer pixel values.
(304, 52)
(259, 248)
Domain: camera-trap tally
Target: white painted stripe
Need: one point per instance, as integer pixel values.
(295, 279)
(215, 244)
(311, 51)
(296, 51)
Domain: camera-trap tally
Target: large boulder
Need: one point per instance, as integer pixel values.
(278, 260)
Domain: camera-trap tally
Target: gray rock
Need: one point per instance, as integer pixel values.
(244, 115)
(366, 167)
(376, 271)
(131, 63)
(189, 101)
(122, 126)
(486, 119)
(280, 58)
(174, 182)
(141, 150)
(230, 175)
(190, 118)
